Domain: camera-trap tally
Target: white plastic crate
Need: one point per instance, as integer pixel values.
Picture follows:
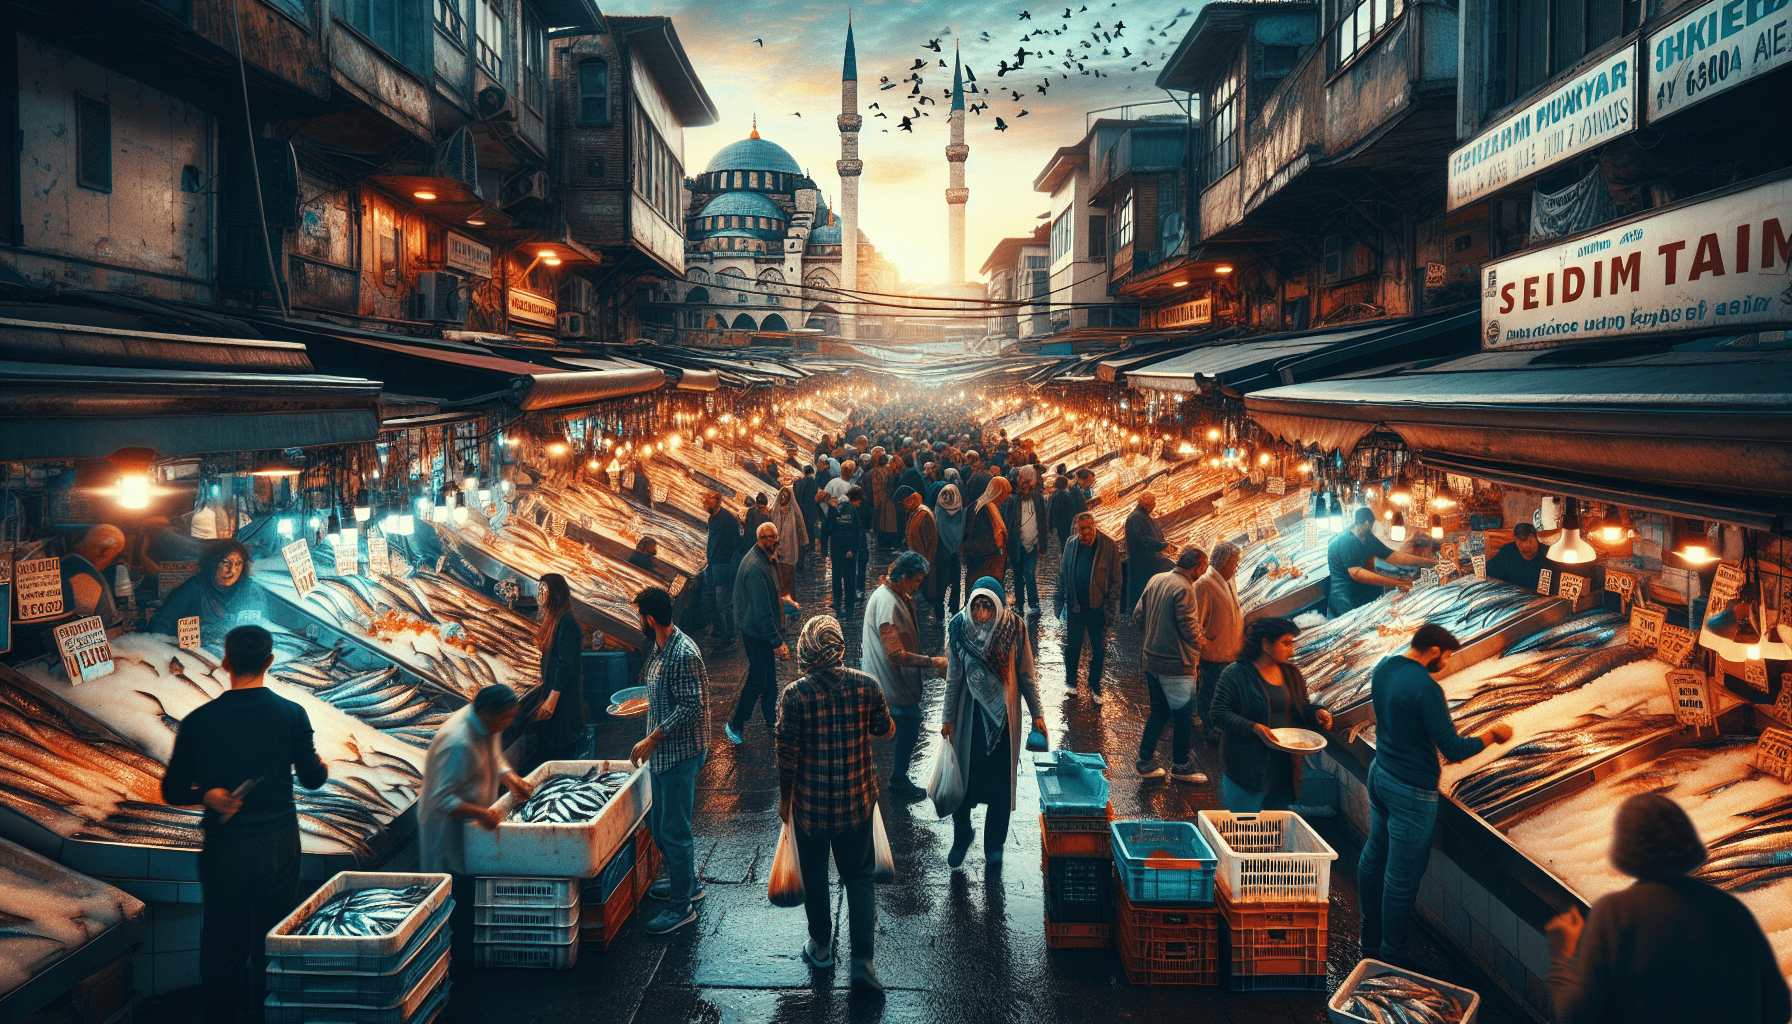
(527, 917)
(576, 850)
(340, 952)
(1469, 998)
(1268, 857)
(510, 891)
(491, 934)
(524, 954)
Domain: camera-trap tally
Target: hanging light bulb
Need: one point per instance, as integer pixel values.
(472, 477)
(1213, 434)
(439, 512)
(389, 523)
(1571, 548)
(407, 525)
(1397, 532)
(284, 526)
(423, 504)
(1445, 496)
(1437, 527)
(1696, 547)
(133, 490)
(460, 509)
(485, 496)
(335, 531)
(363, 512)
(504, 485)
(1753, 651)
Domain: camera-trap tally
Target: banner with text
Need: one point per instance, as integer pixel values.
(1714, 48)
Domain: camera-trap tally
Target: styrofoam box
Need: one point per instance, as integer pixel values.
(578, 850)
(1470, 1000)
(281, 941)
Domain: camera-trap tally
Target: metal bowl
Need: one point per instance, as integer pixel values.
(1298, 741)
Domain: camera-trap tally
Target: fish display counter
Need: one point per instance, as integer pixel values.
(61, 927)
(623, 522)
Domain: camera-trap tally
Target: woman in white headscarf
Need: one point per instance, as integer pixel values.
(793, 537)
(986, 536)
(949, 513)
(989, 672)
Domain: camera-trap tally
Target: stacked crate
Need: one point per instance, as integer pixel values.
(1169, 931)
(1078, 868)
(397, 978)
(1274, 877)
(612, 896)
(526, 922)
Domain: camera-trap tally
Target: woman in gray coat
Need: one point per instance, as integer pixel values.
(989, 671)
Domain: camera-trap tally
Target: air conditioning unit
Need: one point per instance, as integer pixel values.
(572, 325)
(441, 298)
(577, 294)
(494, 104)
(528, 185)
(458, 158)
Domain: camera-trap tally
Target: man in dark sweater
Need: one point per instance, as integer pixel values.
(1412, 728)
(721, 554)
(237, 755)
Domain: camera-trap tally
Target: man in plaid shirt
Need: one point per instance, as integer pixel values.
(677, 731)
(826, 779)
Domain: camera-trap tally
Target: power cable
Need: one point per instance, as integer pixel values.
(261, 210)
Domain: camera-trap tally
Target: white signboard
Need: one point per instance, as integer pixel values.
(40, 589)
(1716, 264)
(379, 556)
(1716, 47)
(298, 563)
(85, 652)
(1593, 107)
(188, 628)
(468, 255)
(532, 307)
(347, 555)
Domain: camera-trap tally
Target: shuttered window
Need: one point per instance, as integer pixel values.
(93, 130)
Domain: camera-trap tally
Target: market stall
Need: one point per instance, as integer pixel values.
(62, 928)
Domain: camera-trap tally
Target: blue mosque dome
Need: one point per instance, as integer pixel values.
(827, 234)
(742, 204)
(743, 214)
(753, 154)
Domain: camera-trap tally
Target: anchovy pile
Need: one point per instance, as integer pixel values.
(681, 543)
(1585, 741)
(566, 799)
(1392, 999)
(597, 581)
(364, 911)
(1296, 567)
(1538, 681)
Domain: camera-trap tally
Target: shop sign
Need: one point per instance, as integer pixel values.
(1278, 485)
(1592, 108)
(1773, 753)
(173, 574)
(1434, 275)
(347, 555)
(1199, 311)
(6, 600)
(1571, 586)
(468, 255)
(1692, 697)
(1709, 265)
(379, 556)
(188, 632)
(1543, 579)
(534, 308)
(1645, 626)
(86, 654)
(1674, 644)
(298, 565)
(40, 589)
(1712, 49)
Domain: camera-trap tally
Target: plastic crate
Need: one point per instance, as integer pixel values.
(506, 891)
(1167, 945)
(1072, 784)
(1277, 982)
(1075, 837)
(647, 868)
(372, 953)
(511, 933)
(527, 917)
(1163, 862)
(620, 869)
(551, 849)
(359, 987)
(1469, 998)
(1078, 936)
(1272, 856)
(1079, 890)
(410, 1006)
(525, 954)
(1285, 943)
(348, 963)
(601, 923)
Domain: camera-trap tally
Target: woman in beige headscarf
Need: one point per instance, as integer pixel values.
(986, 539)
(793, 537)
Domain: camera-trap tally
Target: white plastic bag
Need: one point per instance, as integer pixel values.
(885, 869)
(786, 888)
(1178, 690)
(946, 787)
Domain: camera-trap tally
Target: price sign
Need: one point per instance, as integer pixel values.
(1571, 586)
(1306, 534)
(5, 600)
(298, 565)
(1543, 578)
(1427, 578)
(1278, 485)
(1480, 564)
(1773, 753)
(1447, 568)
(1675, 643)
(379, 556)
(85, 652)
(1645, 626)
(347, 557)
(40, 589)
(1477, 541)
(1754, 673)
(1782, 705)
(1727, 583)
(1692, 698)
(1622, 584)
(188, 629)
(173, 574)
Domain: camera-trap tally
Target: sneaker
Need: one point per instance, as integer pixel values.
(1187, 773)
(1097, 696)
(671, 919)
(732, 733)
(1150, 770)
(662, 890)
(864, 977)
(955, 856)
(817, 956)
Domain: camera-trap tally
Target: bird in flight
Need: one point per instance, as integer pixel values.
(761, 43)
(1001, 125)
(1026, 16)
(1022, 114)
(797, 114)
(907, 125)
(919, 64)
(932, 44)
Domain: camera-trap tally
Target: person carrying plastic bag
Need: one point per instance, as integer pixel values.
(828, 791)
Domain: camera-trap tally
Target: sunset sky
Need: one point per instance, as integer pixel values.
(902, 206)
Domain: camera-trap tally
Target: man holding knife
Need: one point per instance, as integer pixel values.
(237, 755)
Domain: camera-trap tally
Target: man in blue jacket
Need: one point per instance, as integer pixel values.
(760, 611)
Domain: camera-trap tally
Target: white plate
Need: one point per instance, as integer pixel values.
(1298, 741)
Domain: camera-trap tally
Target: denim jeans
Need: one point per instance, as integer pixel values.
(721, 604)
(1093, 626)
(846, 591)
(1401, 821)
(1026, 578)
(669, 818)
(760, 686)
(951, 580)
(1162, 715)
(908, 733)
(853, 858)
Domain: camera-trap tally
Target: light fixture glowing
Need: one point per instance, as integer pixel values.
(459, 512)
(1263, 460)
(334, 533)
(476, 222)
(133, 489)
(675, 441)
(485, 495)
(284, 526)
(1437, 527)
(424, 195)
(423, 506)
(363, 513)
(1224, 268)
(711, 432)
(407, 525)
(592, 465)
(1213, 434)
(1181, 284)
(504, 485)
(275, 467)
(1397, 532)
(1571, 548)
(1754, 651)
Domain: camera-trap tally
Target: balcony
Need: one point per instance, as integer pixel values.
(1154, 150)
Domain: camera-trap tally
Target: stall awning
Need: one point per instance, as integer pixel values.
(35, 341)
(1687, 421)
(59, 411)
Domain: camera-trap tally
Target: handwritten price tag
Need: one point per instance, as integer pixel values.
(1692, 698)
(1306, 534)
(347, 557)
(1571, 586)
(1773, 753)
(40, 589)
(1543, 578)
(1278, 485)
(1645, 626)
(1622, 584)
(1754, 673)
(86, 654)
(188, 628)
(1447, 568)
(173, 574)
(379, 556)
(1782, 705)
(1480, 564)
(1727, 583)
(298, 565)
(1675, 644)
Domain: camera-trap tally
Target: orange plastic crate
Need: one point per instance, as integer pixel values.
(601, 923)
(1276, 938)
(1167, 945)
(1079, 936)
(1076, 837)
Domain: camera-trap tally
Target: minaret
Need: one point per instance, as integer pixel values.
(956, 193)
(849, 167)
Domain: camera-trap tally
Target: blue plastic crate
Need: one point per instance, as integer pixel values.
(371, 990)
(1072, 784)
(598, 890)
(1163, 862)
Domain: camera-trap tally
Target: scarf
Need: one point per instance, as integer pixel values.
(996, 493)
(950, 517)
(984, 650)
(785, 497)
(820, 646)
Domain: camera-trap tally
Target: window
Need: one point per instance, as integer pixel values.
(658, 176)
(1061, 231)
(1347, 258)
(1041, 284)
(93, 130)
(450, 20)
(535, 63)
(488, 27)
(1358, 22)
(1036, 263)
(1122, 233)
(1528, 42)
(1098, 237)
(395, 26)
(752, 179)
(1221, 130)
(299, 9)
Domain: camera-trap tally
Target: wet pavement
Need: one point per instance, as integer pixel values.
(951, 946)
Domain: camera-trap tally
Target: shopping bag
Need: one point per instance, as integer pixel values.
(1178, 690)
(946, 787)
(885, 870)
(786, 888)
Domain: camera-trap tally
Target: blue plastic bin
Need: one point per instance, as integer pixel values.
(1072, 784)
(1163, 862)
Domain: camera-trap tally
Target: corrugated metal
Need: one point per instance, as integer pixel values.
(578, 387)
(1183, 372)
(32, 341)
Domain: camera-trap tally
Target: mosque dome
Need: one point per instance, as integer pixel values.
(827, 234)
(753, 154)
(747, 213)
